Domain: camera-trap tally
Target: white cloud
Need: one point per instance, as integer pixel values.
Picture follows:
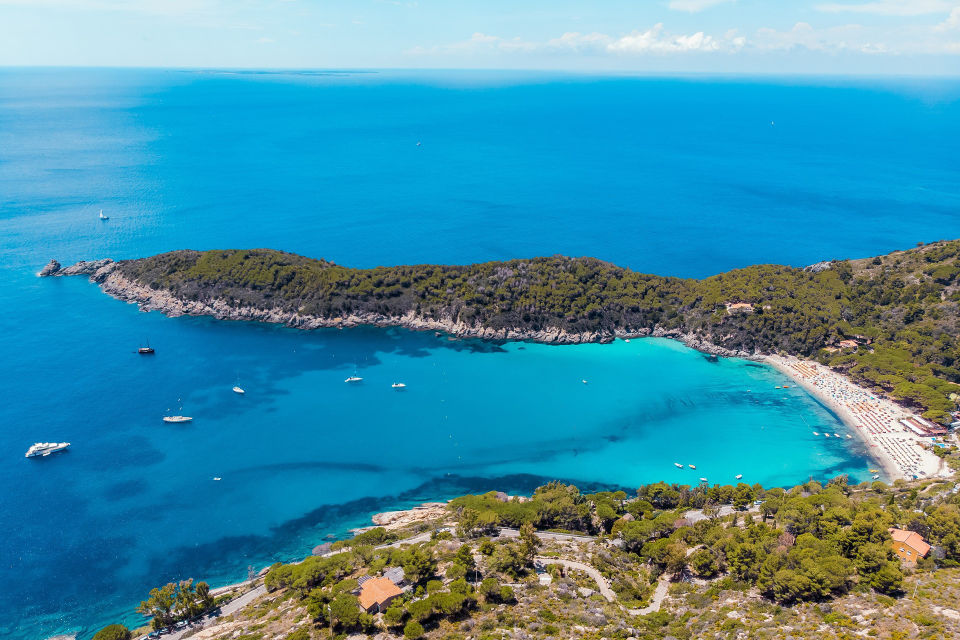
(952, 22)
(890, 7)
(695, 6)
(893, 40)
(655, 40)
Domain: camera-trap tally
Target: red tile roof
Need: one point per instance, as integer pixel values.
(377, 591)
(911, 538)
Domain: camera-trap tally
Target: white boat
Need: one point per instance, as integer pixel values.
(43, 449)
(703, 479)
(850, 437)
(354, 379)
(178, 419)
(692, 466)
(103, 217)
(584, 381)
(738, 476)
(836, 435)
(816, 433)
(827, 434)
(875, 476)
(678, 465)
(239, 390)
(398, 385)
(217, 478)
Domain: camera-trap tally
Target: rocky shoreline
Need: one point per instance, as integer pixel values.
(110, 278)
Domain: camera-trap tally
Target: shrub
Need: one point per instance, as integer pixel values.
(113, 632)
(413, 630)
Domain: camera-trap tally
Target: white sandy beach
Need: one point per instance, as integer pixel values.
(901, 453)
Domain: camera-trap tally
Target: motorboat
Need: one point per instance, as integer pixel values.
(354, 379)
(43, 449)
(398, 385)
(678, 465)
(738, 476)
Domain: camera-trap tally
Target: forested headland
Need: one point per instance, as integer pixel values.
(890, 323)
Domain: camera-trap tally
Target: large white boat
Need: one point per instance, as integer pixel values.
(45, 448)
(178, 419)
(398, 385)
(239, 390)
(354, 379)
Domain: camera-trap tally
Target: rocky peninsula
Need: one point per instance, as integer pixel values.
(888, 323)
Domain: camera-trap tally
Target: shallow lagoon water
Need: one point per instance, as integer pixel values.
(635, 171)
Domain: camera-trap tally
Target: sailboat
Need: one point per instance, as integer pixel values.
(238, 389)
(178, 419)
(103, 217)
(146, 351)
(354, 379)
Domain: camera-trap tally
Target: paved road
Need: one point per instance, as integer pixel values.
(230, 608)
(546, 535)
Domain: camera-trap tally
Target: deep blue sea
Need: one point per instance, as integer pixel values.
(678, 176)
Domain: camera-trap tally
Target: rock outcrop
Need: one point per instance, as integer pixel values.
(52, 269)
(96, 269)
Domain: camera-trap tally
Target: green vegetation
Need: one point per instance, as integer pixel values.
(899, 312)
(113, 632)
(173, 603)
(810, 543)
(811, 562)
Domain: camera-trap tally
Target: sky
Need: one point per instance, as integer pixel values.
(903, 37)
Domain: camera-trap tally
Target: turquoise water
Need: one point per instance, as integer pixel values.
(635, 171)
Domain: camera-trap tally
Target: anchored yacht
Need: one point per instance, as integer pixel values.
(398, 385)
(178, 419)
(45, 448)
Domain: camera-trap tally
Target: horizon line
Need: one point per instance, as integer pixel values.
(551, 71)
